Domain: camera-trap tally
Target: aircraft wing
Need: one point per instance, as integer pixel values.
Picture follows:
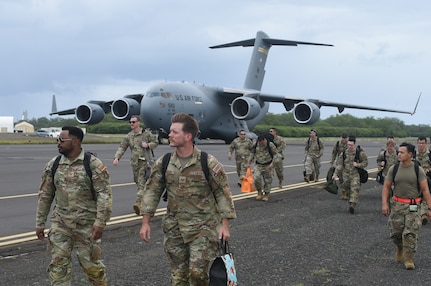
(341, 106)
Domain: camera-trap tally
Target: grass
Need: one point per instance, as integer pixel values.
(15, 139)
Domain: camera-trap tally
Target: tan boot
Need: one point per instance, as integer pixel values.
(265, 197)
(307, 178)
(316, 179)
(280, 184)
(400, 254)
(343, 195)
(259, 195)
(408, 260)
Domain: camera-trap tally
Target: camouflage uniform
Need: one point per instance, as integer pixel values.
(74, 215)
(404, 225)
(337, 152)
(313, 153)
(278, 160)
(261, 170)
(351, 181)
(141, 158)
(195, 210)
(423, 159)
(391, 159)
(242, 149)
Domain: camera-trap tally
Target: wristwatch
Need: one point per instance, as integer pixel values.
(429, 209)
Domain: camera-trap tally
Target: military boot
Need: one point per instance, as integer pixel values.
(307, 178)
(316, 178)
(400, 253)
(408, 260)
(343, 195)
(259, 195)
(280, 184)
(352, 208)
(265, 197)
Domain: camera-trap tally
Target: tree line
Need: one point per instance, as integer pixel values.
(286, 125)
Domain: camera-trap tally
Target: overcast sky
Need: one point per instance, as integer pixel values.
(103, 49)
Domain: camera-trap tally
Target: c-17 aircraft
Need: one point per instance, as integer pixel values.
(221, 112)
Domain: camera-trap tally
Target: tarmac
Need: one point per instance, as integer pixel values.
(303, 236)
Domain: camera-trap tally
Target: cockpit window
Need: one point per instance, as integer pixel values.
(163, 94)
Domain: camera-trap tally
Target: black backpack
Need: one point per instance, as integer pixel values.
(395, 170)
(165, 163)
(87, 156)
(363, 174)
(269, 138)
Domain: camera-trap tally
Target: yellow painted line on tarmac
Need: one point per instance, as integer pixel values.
(30, 236)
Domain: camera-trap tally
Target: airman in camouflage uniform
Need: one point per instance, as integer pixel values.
(387, 158)
(79, 215)
(264, 152)
(280, 144)
(422, 156)
(198, 211)
(141, 144)
(347, 165)
(313, 152)
(242, 146)
(404, 207)
(338, 149)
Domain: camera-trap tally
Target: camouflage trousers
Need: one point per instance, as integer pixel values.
(241, 166)
(352, 185)
(312, 164)
(61, 242)
(263, 172)
(141, 172)
(404, 226)
(278, 167)
(189, 261)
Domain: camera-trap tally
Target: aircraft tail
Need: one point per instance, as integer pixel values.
(54, 105)
(262, 43)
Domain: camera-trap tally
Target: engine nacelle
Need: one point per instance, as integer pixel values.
(245, 108)
(89, 113)
(306, 112)
(124, 108)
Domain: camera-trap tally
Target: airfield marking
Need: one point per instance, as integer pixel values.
(30, 236)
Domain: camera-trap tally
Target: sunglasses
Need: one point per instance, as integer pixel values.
(242, 134)
(132, 122)
(62, 140)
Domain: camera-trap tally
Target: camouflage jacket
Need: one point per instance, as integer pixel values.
(345, 165)
(262, 155)
(337, 150)
(280, 144)
(195, 205)
(314, 148)
(423, 159)
(391, 159)
(71, 188)
(242, 147)
(133, 141)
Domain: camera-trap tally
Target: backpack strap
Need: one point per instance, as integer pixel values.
(165, 163)
(395, 170)
(87, 157)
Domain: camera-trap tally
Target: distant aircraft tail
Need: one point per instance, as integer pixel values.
(262, 43)
(54, 105)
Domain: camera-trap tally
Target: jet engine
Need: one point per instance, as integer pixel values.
(306, 112)
(245, 108)
(89, 113)
(124, 108)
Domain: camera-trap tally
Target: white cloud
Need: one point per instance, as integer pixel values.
(83, 50)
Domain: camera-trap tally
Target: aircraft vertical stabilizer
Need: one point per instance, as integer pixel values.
(54, 105)
(262, 43)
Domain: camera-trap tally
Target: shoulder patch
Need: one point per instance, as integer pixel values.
(217, 168)
(102, 167)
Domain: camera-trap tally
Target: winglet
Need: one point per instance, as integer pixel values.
(417, 102)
